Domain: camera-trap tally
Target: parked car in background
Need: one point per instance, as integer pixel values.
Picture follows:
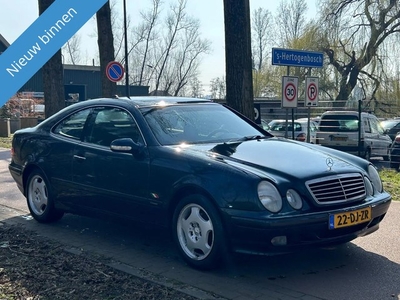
(278, 128)
(264, 124)
(215, 179)
(395, 153)
(340, 130)
(391, 127)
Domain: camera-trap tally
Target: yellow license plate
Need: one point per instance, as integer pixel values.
(339, 138)
(349, 218)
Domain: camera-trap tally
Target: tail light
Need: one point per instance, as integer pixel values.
(301, 137)
(12, 151)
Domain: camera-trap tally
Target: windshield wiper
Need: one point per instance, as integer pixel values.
(254, 137)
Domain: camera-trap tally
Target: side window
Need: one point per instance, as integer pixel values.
(313, 128)
(73, 125)
(112, 123)
(367, 125)
(375, 127)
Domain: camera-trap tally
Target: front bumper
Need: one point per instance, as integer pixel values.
(252, 232)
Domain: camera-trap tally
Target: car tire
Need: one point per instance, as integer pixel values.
(198, 233)
(40, 200)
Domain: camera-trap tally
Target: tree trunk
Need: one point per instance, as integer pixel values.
(239, 81)
(105, 41)
(53, 76)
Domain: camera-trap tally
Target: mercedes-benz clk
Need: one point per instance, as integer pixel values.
(215, 179)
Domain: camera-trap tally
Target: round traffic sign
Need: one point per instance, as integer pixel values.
(312, 91)
(114, 71)
(290, 91)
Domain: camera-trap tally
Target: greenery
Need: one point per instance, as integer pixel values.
(391, 182)
(5, 142)
(390, 177)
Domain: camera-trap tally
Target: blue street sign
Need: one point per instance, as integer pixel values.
(41, 41)
(115, 71)
(297, 58)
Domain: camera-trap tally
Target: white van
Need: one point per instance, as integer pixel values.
(339, 130)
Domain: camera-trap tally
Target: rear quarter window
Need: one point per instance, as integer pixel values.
(339, 123)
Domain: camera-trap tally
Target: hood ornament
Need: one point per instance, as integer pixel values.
(329, 163)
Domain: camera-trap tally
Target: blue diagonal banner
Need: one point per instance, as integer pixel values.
(41, 41)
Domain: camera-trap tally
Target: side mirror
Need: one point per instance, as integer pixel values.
(127, 145)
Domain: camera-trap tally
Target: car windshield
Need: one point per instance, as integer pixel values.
(176, 124)
(339, 123)
(389, 123)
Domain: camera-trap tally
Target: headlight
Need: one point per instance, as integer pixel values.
(269, 196)
(294, 199)
(368, 186)
(375, 179)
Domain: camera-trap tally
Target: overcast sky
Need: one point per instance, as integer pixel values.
(17, 15)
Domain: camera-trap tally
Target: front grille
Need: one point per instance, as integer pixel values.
(337, 189)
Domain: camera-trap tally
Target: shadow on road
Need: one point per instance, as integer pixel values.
(344, 272)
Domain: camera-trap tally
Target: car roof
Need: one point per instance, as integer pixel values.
(144, 101)
(301, 121)
(345, 112)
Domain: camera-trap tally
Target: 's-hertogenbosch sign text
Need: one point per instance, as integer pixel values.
(297, 58)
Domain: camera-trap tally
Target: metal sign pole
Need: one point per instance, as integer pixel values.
(287, 110)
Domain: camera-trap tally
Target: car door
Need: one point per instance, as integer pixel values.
(112, 182)
(379, 141)
(313, 132)
(65, 136)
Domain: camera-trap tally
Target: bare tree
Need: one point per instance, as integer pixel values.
(362, 28)
(150, 19)
(106, 48)
(218, 88)
(186, 60)
(291, 20)
(71, 50)
(166, 52)
(53, 81)
(239, 80)
(261, 32)
(195, 88)
(175, 23)
(261, 46)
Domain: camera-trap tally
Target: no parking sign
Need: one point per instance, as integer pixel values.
(311, 91)
(289, 91)
(115, 71)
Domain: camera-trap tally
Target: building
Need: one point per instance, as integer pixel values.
(81, 83)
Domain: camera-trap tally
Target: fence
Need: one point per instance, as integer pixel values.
(272, 109)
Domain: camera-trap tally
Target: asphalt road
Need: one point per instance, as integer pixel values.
(367, 268)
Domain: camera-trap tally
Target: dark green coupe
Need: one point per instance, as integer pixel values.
(218, 180)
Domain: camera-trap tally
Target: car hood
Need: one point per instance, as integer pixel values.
(282, 156)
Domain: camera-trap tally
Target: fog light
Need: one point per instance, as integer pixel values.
(279, 240)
